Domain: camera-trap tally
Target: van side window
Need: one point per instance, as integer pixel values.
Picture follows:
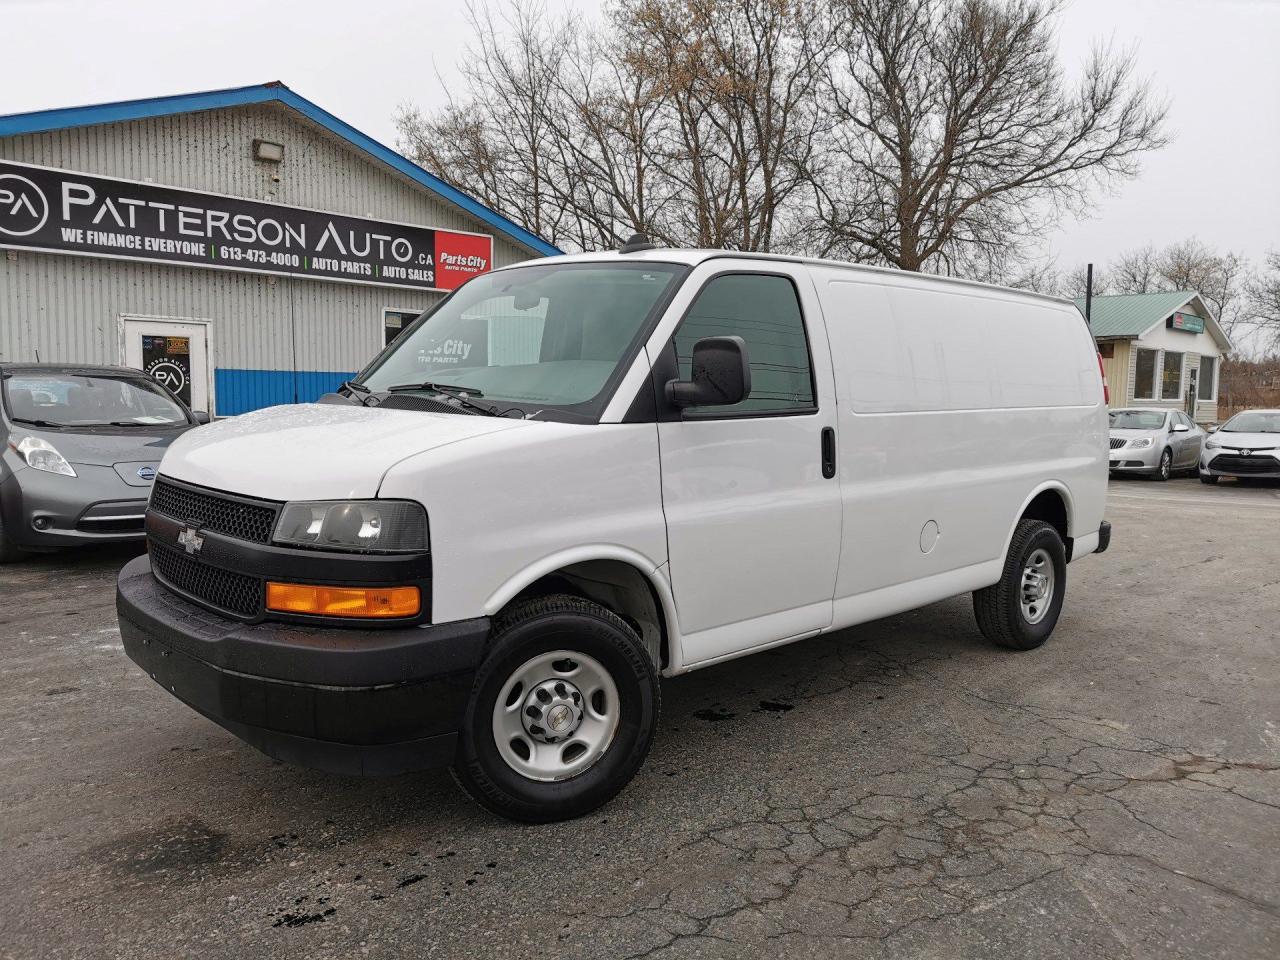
(764, 311)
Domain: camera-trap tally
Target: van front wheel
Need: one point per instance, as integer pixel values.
(562, 712)
(1021, 610)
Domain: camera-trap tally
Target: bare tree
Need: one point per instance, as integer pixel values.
(1218, 278)
(500, 142)
(696, 122)
(927, 134)
(1137, 271)
(1075, 280)
(959, 136)
(1263, 302)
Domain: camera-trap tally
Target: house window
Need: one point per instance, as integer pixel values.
(1171, 377)
(1106, 350)
(1208, 387)
(1144, 376)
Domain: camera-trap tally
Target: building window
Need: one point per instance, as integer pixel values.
(765, 311)
(1171, 377)
(1106, 350)
(1208, 385)
(394, 323)
(1144, 376)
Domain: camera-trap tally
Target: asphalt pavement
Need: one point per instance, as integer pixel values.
(897, 789)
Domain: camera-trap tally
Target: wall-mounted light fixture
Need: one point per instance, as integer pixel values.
(268, 151)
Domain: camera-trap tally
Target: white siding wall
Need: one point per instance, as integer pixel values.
(1192, 347)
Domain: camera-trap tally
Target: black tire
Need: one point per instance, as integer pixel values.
(998, 607)
(539, 626)
(1206, 478)
(1165, 469)
(10, 552)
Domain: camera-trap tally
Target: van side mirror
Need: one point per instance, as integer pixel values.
(200, 416)
(1180, 428)
(720, 376)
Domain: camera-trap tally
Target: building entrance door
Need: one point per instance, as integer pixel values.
(173, 352)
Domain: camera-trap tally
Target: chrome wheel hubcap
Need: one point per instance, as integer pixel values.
(556, 715)
(1037, 586)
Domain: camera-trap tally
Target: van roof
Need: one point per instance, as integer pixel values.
(693, 257)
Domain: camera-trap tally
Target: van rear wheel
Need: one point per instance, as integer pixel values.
(562, 712)
(1021, 610)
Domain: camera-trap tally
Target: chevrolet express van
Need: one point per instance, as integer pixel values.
(576, 476)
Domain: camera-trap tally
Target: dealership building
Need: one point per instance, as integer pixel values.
(244, 246)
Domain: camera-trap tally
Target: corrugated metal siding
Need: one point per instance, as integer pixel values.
(240, 391)
(210, 151)
(68, 308)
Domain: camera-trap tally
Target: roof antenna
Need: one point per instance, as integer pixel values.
(636, 243)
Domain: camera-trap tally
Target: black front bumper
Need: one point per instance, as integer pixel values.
(344, 700)
(1253, 467)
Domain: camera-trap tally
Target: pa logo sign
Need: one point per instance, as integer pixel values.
(23, 206)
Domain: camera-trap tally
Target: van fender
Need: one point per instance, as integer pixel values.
(651, 571)
(1056, 485)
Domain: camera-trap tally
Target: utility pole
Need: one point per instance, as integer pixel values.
(1088, 296)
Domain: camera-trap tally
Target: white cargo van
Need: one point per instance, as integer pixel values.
(578, 475)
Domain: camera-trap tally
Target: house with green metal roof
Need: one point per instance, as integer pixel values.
(1160, 350)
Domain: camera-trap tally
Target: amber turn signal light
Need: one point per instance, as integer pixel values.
(344, 601)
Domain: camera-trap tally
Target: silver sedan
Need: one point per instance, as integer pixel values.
(1154, 442)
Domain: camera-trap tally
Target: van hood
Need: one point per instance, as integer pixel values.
(315, 451)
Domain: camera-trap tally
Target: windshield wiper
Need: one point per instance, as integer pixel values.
(452, 390)
(437, 387)
(40, 423)
(135, 423)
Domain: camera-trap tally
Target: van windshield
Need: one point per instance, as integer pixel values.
(551, 338)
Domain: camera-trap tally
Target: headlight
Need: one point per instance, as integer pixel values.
(384, 526)
(42, 455)
(1140, 444)
(1212, 444)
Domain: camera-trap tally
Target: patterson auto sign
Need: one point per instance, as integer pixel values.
(59, 211)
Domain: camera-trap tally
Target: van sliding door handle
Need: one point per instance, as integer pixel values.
(828, 452)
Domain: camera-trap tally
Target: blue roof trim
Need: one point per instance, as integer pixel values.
(60, 119)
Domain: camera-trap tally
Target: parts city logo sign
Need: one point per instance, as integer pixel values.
(24, 208)
(77, 213)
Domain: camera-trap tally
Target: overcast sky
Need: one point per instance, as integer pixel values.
(1216, 60)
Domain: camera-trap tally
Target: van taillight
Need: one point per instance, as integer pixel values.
(1106, 390)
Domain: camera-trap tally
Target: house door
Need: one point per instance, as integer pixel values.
(174, 353)
(1192, 392)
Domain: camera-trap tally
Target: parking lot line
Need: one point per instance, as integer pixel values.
(1197, 501)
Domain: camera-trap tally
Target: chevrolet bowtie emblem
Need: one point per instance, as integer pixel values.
(190, 540)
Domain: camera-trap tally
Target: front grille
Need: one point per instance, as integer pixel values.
(232, 592)
(1238, 464)
(1118, 442)
(399, 401)
(232, 517)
